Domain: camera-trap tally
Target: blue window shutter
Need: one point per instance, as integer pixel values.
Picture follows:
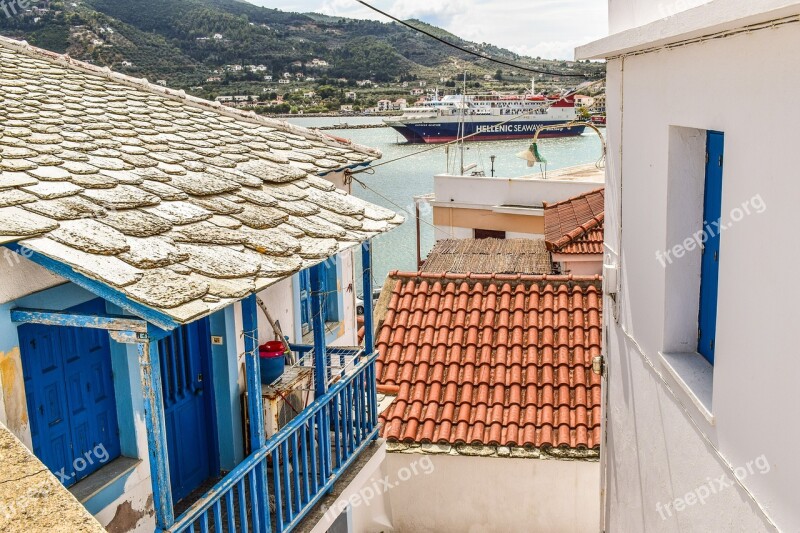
(331, 282)
(709, 269)
(305, 301)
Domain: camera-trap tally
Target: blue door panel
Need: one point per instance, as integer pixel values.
(188, 406)
(62, 367)
(709, 268)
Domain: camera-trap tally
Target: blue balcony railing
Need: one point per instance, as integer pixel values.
(299, 464)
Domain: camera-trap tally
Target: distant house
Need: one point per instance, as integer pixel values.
(163, 83)
(405, 84)
(284, 81)
(287, 75)
(218, 37)
(400, 103)
(487, 77)
(309, 94)
(127, 64)
(268, 78)
(224, 99)
(417, 92)
(423, 83)
(351, 95)
(573, 232)
(311, 79)
(346, 108)
(299, 75)
(599, 104)
(364, 83)
(213, 79)
(581, 100)
(384, 105)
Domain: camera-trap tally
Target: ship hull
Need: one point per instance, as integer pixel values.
(443, 132)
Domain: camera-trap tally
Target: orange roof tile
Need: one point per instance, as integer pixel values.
(575, 225)
(496, 360)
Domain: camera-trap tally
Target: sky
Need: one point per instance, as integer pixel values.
(550, 29)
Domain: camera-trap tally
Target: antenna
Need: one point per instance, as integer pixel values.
(462, 126)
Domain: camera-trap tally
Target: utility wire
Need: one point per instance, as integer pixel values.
(466, 50)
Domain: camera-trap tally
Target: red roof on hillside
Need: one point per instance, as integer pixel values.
(575, 225)
(491, 359)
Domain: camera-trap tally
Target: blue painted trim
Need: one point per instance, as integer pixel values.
(254, 401)
(318, 326)
(100, 289)
(366, 267)
(150, 370)
(78, 320)
(296, 314)
(226, 390)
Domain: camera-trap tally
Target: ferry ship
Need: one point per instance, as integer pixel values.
(488, 116)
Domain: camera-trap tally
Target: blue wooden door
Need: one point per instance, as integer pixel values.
(188, 407)
(70, 396)
(709, 269)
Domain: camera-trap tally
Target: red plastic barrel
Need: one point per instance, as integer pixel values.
(271, 358)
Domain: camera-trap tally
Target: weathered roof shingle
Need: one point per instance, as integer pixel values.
(175, 202)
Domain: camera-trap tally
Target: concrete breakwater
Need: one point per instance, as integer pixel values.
(346, 126)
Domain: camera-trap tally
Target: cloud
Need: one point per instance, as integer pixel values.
(546, 28)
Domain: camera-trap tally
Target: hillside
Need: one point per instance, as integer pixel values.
(174, 40)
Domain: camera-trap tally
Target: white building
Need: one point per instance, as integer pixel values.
(700, 337)
(351, 95)
(384, 105)
(417, 92)
(284, 81)
(400, 103)
(268, 77)
(478, 206)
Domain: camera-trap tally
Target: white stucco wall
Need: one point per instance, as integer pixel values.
(489, 494)
(20, 277)
(660, 446)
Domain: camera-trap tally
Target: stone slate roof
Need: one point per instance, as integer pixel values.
(177, 203)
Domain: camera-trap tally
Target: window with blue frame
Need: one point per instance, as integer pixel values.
(709, 265)
(330, 299)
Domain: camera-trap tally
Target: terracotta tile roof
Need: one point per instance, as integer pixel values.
(179, 204)
(491, 360)
(486, 256)
(575, 225)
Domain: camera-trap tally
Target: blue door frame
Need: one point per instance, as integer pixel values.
(709, 267)
(70, 396)
(189, 414)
